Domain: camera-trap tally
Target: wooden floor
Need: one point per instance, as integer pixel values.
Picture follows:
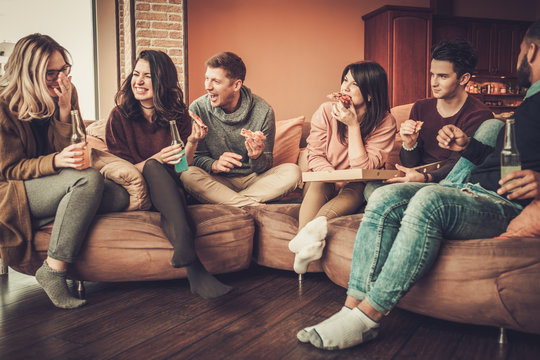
(258, 320)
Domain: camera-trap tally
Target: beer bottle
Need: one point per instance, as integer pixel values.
(509, 154)
(78, 136)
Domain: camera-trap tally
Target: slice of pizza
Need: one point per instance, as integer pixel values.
(198, 120)
(255, 135)
(343, 98)
(418, 126)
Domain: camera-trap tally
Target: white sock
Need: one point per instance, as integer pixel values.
(307, 255)
(344, 331)
(304, 334)
(314, 231)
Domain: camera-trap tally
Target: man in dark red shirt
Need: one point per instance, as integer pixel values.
(451, 67)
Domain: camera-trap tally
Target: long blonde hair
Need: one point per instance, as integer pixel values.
(24, 84)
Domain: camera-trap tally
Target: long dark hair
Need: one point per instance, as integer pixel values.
(168, 96)
(373, 83)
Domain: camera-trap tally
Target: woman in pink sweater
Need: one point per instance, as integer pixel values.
(358, 137)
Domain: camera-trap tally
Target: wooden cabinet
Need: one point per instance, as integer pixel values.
(496, 41)
(399, 38)
(450, 29)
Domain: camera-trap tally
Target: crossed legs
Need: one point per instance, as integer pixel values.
(397, 243)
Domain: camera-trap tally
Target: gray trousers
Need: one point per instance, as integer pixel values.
(71, 198)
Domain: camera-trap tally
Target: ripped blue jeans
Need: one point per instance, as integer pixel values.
(403, 228)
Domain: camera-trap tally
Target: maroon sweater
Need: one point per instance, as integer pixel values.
(136, 141)
(468, 118)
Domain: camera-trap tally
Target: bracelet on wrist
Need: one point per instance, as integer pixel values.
(407, 148)
(426, 177)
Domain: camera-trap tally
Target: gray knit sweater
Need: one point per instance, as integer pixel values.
(224, 133)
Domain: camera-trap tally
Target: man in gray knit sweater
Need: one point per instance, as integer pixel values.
(228, 168)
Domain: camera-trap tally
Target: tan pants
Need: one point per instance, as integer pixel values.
(322, 199)
(238, 191)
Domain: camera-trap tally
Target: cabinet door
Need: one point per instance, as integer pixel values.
(450, 29)
(410, 54)
(482, 39)
(517, 37)
(503, 49)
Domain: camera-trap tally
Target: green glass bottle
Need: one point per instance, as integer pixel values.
(175, 136)
(510, 160)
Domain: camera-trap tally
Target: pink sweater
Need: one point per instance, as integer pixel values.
(326, 152)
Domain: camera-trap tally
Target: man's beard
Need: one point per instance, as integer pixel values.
(524, 73)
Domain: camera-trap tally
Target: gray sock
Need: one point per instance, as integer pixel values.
(55, 285)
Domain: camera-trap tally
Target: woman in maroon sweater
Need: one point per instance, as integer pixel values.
(138, 131)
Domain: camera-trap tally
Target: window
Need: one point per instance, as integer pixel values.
(67, 21)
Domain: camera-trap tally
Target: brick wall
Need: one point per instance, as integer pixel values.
(158, 24)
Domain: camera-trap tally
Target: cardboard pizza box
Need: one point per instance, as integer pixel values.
(349, 175)
(362, 174)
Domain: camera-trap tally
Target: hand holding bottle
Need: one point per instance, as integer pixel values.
(72, 156)
(170, 155)
(510, 159)
(520, 184)
(78, 137)
(181, 164)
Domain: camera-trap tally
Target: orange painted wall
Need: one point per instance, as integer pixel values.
(294, 50)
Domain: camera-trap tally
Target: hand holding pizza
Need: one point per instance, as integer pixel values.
(409, 132)
(198, 129)
(345, 115)
(254, 142)
(344, 99)
(342, 109)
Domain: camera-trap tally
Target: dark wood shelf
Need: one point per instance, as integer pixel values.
(503, 95)
(490, 77)
(503, 107)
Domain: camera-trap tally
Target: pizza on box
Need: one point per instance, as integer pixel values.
(343, 98)
(254, 135)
